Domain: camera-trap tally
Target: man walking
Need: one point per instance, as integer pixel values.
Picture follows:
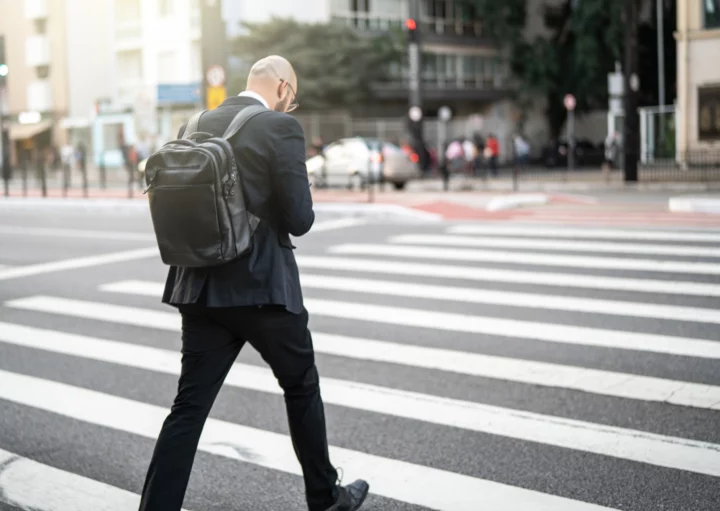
(256, 299)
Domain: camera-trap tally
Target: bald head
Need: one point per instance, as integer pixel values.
(274, 79)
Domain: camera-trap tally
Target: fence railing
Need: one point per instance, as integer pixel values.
(695, 165)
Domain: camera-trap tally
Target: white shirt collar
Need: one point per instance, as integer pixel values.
(254, 95)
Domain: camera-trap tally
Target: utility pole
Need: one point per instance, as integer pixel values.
(4, 140)
(631, 139)
(415, 112)
(661, 65)
(213, 35)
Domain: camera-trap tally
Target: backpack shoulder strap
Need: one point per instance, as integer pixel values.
(241, 118)
(193, 124)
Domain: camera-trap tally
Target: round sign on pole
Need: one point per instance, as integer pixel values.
(444, 113)
(569, 102)
(215, 76)
(415, 113)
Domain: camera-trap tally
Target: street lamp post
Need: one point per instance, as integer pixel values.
(631, 140)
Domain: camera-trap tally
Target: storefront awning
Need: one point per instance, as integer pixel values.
(24, 131)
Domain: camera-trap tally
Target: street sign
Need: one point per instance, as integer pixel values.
(415, 113)
(215, 96)
(444, 113)
(215, 76)
(569, 102)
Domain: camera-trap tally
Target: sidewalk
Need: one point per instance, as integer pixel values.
(469, 199)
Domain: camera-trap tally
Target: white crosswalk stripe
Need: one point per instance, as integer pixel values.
(568, 232)
(554, 245)
(343, 290)
(537, 259)
(27, 484)
(550, 332)
(538, 373)
(399, 480)
(475, 273)
(677, 453)
(484, 296)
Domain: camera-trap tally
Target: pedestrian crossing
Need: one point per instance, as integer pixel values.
(572, 314)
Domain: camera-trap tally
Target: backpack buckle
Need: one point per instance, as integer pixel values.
(230, 184)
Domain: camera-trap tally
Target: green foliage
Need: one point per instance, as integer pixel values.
(583, 42)
(335, 64)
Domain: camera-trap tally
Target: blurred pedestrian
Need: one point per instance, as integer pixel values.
(480, 146)
(470, 152)
(492, 154)
(612, 150)
(522, 151)
(81, 160)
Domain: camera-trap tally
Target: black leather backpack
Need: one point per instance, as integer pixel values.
(196, 197)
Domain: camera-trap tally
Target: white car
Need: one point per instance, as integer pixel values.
(354, 162)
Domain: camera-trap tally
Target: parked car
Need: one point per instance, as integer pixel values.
(587, 154)
(354, 162)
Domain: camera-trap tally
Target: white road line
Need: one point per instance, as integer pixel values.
(27, 484)
(581, 336)
(470, 295)
(593, 381)
(642, 447)
(80, 262)
(406, 482)
(498, 275)
(499, 256)
(76, 233)
(508, 299)
(570, 246)
(626, 234)
(340, 223)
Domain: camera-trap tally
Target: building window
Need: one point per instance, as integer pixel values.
(711, 11)
(360, 5)
(129, 65)
(709, 113)
(166, 8)
(166, 67)
(196, 61)
(127, 10)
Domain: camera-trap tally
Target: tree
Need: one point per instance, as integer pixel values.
(335, 64)
(585, 41)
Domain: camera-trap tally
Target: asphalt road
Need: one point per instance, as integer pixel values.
(463, 370)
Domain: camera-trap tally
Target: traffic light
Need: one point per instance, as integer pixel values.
(412, 29)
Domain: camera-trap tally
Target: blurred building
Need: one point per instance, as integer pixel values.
(155, 54)
(59, 62)
(698, 75)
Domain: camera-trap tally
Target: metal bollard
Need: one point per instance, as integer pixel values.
(83, 172)
(25, 178)
(43, 178)
(66, 178)
(103, 173)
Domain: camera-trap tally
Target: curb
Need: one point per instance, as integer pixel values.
(377, 210)
(504, 202)
(709, 205)
(366, 210)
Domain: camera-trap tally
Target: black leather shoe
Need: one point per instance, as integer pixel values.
(351, 497)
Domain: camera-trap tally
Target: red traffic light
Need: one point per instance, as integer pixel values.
(410, 24)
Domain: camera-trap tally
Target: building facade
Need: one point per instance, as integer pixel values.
(36, 99)
(698, 79)
(155, 58)
(57, 53)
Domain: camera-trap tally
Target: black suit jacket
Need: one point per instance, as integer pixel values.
(270, 153)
